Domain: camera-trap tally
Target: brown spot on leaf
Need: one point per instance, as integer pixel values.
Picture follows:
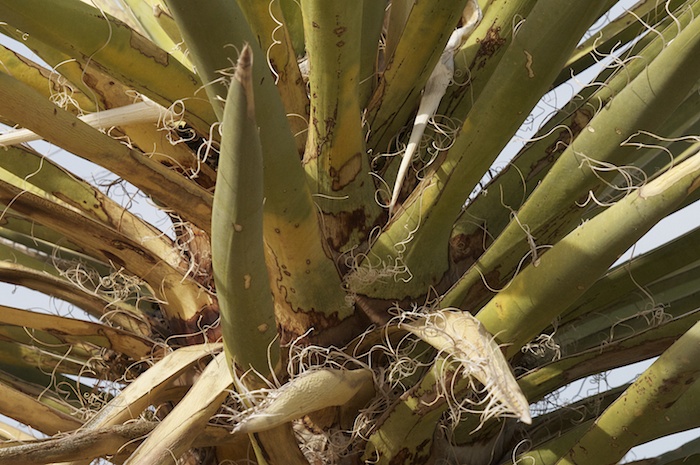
(401, 457)
(84, 205)
(378, 310)
(339, 227)
(488, 46)
(467, 246)
(340, 30)
(295, 314)
(577, 122)
(464, 248)
(423, 445)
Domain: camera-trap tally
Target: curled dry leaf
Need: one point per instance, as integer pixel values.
(311, 391)
(464, 339)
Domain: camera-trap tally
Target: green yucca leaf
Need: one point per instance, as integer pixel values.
(415, 47)
(153, 20)
(335, 156)
(296, 246)
(621, 351)
(266, 21)
(28, 108)
(245, 299)
(658, 387)
(517, 181)
(597, 244)
(278, 308)
(642, 104)
(106, 42)
(618, 32)
(438, 200)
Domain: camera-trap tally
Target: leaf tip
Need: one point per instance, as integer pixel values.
(244, 75)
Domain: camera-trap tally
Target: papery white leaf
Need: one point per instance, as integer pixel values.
(465, 340)
(136, 113)
(434, 90)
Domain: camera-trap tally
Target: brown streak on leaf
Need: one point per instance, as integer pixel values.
(121, 245)
(203, 325)
(149, 49)
(347, 173)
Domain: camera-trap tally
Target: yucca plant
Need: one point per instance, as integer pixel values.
(344, 278)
